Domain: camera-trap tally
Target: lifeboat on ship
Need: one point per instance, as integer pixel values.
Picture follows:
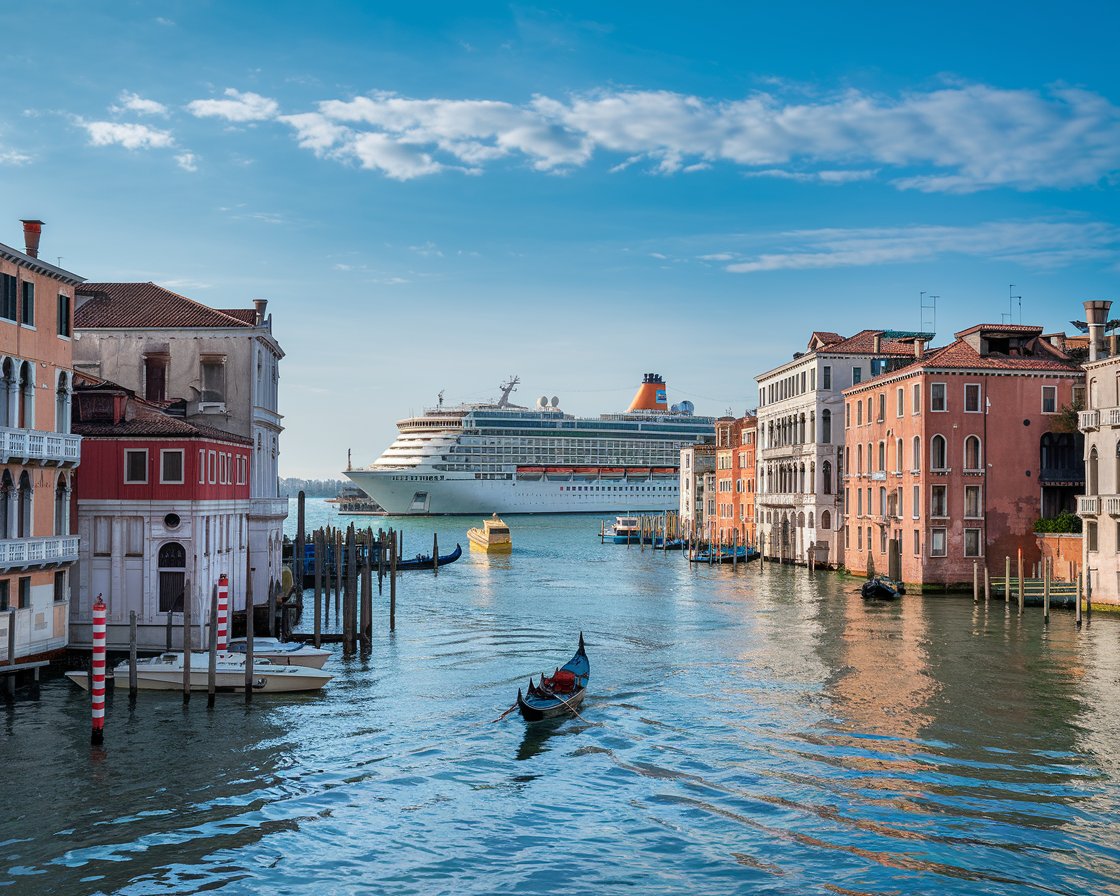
(530, 473)
(558, 474)
(611, 472)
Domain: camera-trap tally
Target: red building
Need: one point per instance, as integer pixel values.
(735, 480)
(162, 509)
(950, 460)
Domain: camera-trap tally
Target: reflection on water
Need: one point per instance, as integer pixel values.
(756, 730)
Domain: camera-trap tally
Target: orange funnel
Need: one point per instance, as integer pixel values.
(650, 395)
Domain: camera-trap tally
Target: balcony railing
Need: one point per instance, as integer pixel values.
(23, 553)
(27, 445)
(1088, 505)
(268, 506)
(879, 476)
(1112, 505)
(1087, 420)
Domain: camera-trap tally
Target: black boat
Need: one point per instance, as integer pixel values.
(424, 561)
(879, 589)
(559, 693)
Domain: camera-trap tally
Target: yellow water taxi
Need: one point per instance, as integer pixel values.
(493, 537)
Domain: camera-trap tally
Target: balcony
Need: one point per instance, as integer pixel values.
(879, 476)
(776, 500)
(55, 449)
(1088, 420)
(25, 553)
(268, 507)
(1088, 505)
(1111, 504)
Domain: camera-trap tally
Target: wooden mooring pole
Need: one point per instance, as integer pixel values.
(212, 667)
(320, 544)
(1020, 581)
(392, 581)
(1046, 590)
(132, 655)
(367, 594)
(1077, 615)
(187, 601)
(250, 625)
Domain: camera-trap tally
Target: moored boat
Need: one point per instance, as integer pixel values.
(493, 537)
(559, 693)
(626, 530)
(424, 561)
(283, 653)
(879, 588)
(165, 673)
(738, 554)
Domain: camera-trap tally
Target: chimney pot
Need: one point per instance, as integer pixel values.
(32, 230)
(919, 345)
(260, 305)
(1096, 316)
(876, 343)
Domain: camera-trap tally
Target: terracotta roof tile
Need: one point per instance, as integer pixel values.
(144, 305)
(863, 343)
(245, 315)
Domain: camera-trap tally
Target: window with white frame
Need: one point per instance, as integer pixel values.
(917, 399)
(972, 398)
(972, 542)
(1049, 399)
(136, 465)
(171, 466)
(212, 374)
(917, 501)
(937, 397)
(938, 501)
(972, 506)
(937, 542)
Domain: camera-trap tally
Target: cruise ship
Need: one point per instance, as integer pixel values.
(499, 457)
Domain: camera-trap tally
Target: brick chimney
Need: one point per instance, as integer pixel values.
(32, 230)
(876, 343)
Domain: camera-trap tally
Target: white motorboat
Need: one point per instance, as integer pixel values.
(283, 653)
(165, 673)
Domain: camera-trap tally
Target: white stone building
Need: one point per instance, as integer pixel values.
(800, 458)
(221, 366)
(697, 485)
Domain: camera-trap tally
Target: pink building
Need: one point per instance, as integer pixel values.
(951, 459)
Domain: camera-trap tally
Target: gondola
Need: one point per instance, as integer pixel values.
(559, 693)
(424, 561)
(879, 589)
(740, 554)
(671, 544)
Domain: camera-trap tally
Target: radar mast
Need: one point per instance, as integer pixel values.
(508, 388)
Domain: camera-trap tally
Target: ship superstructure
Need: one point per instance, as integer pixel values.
(480, 458)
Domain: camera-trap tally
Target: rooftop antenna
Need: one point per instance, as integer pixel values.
(507, 388)
(1009, 317)
(440, 396)
(929, 312)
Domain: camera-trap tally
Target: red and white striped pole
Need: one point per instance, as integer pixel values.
(223, 613)
(97, 685)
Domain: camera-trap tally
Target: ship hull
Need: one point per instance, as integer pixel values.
(428, 492)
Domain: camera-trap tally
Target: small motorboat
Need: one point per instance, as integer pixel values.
(283, 653)
(879, 588)
(492, 538)
(738, 554)
(626, 530)
(671, 544)
(557, 694)
(165, 673)
(424, 561)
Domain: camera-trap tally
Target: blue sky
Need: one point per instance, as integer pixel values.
(435, 196)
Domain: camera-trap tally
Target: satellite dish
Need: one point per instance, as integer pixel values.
(555, 401)
(542, 402)
(676, 409)
(687, 407)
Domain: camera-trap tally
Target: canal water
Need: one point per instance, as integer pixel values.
(745, 731)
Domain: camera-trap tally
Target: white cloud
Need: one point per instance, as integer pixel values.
(12, 157)
(132, 102)
(130, 136)
(1036, 244)
(957, 138)
(188, 161)
(239, 107)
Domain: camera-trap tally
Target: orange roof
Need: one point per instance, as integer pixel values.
(146, 305)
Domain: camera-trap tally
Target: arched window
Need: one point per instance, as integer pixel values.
(917, 453)
(882, 456)
(7, 506)
(23, 511)
(811, 519)
(859, 413)
(859, 459)
(972, 459)
(826, 426)
(1091, 480)
(61, 507)
(826, 476)
(26, 396)
(7, 391)
(172, 577)
(937, 456)
(826, 519)
(898, 456)
(62, 404)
